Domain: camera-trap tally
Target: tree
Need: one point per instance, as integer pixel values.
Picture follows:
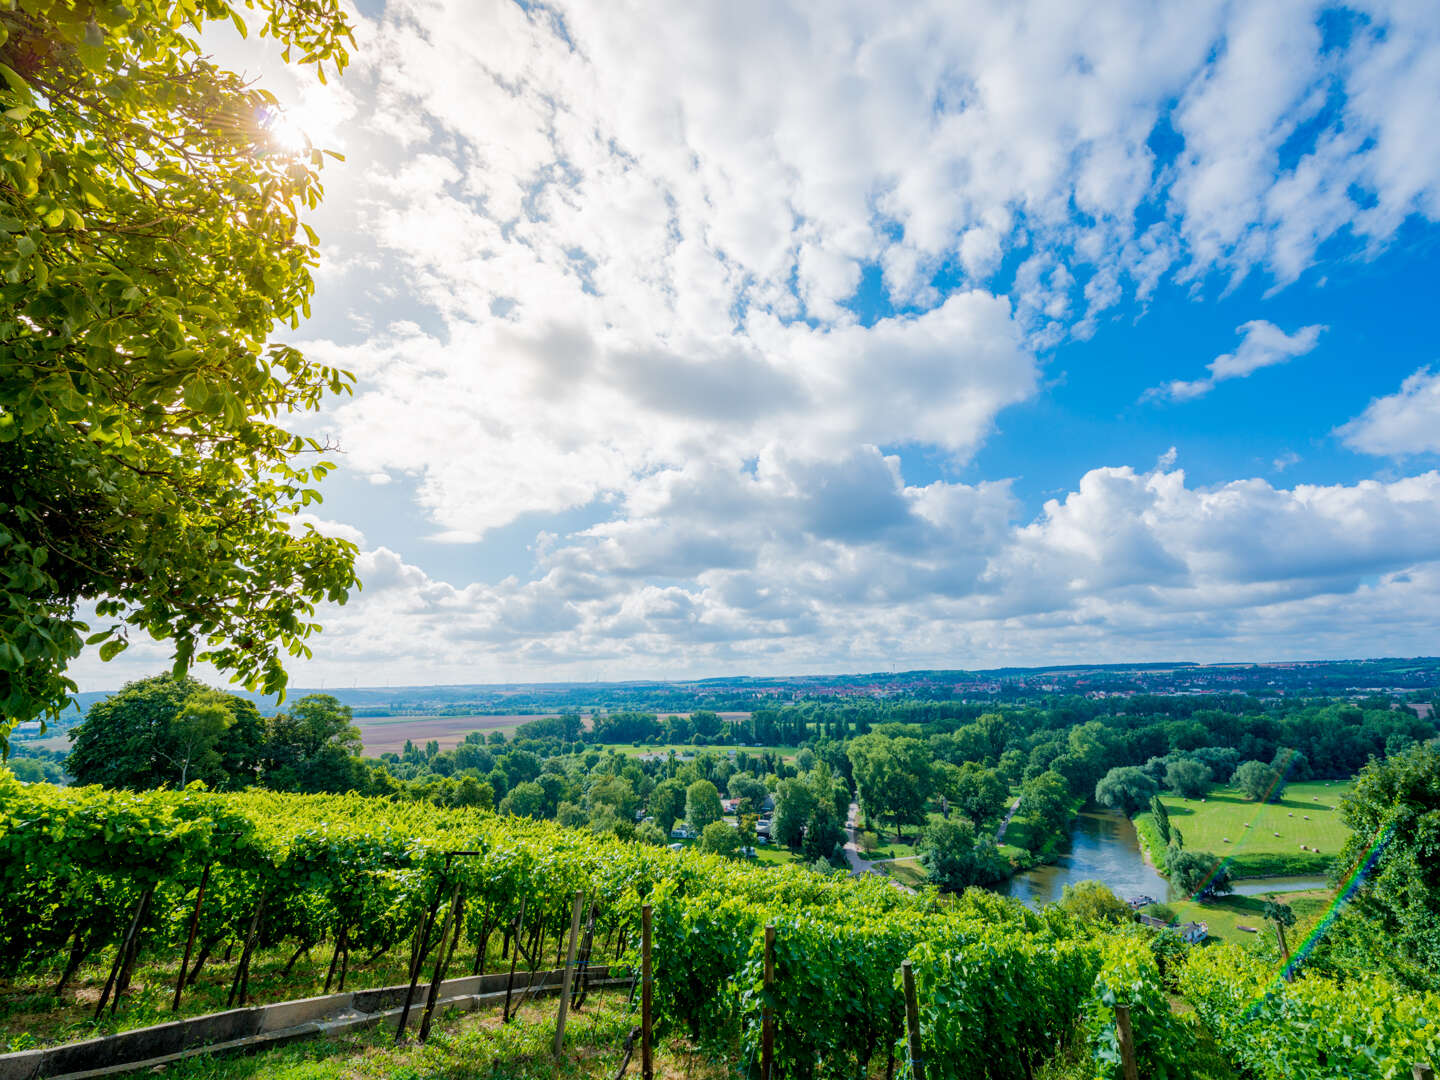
(1188, 778)
(750, 791)
(313, 747)
(979, 793)
(1045, 800)
(472, 792)
(1259, 781)
(720, 839)
(667, 804)
(893, 776)
(1126, 788)
(133, 739)
(1197, 873)
(794, 803)
(526, 799)
(702, 805)
(1093, 902)
(1161, 816)
(153, 240)
(954, 858)
(202, 720)
(823, 834)
(1393, 813)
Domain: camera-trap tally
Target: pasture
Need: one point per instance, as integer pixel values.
(1259, 839)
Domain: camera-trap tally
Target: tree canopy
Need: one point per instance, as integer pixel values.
(1393, 813)
(152, 241)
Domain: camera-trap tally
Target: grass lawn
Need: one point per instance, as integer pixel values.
(1226, 915)
(892, 848)
(776, 855)
(907, 872)
(1264, 839)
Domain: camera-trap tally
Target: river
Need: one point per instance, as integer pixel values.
(1104, 847)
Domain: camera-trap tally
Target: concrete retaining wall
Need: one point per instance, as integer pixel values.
(264, 1025)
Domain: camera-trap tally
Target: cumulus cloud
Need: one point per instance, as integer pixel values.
(1405, 422)
(1263, 344)
(724, 273)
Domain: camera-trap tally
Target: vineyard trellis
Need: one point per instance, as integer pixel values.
(86, 870)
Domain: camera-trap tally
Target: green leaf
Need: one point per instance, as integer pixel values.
(112, 649)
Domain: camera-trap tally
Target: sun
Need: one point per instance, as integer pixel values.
(286, 129)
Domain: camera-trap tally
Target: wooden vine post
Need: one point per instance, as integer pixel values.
(767, 1016)
(419, 954)
(912, 1021)
(1422, 1072)
(241, 986)
(1126, 1036)
(647, 1049)
(190, 938)
(122, 952)
(514, 958)
(569, 972)
(442, 958)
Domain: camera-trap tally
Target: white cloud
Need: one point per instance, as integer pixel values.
(1405, 422)
(1264, 344)
(589, 255)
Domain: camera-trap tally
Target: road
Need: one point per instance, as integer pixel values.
(858, 866)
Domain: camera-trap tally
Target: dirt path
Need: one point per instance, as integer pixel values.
(1000, 832)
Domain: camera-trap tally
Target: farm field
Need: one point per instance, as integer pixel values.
(1263, 839)
(387, 734)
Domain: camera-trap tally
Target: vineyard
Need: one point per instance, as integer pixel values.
(88, 873)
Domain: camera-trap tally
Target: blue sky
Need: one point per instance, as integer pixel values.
(713, 338)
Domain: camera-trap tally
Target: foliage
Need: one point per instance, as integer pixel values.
(719, 838)
(153, 242)
(892, 775)
(702, 805)
(1045, 799)
(979, 793)
(1393, 812)
(73, 860)
(1125, 788)
(157, 730)
(1161, 818)
(1314, 1027)
(1093, 902)
(954, 858)
(1259, 781)
(1130, 975)
(1188, 778)
(1197, 873)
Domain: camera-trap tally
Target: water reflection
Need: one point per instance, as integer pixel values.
(1104, 847)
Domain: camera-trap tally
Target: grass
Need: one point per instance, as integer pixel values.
(1227, 914)
(1245, 832)
(471, 1046)
(907, 872)
(31, 1015)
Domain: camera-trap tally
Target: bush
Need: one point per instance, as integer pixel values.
(720, 839)
(1093, 902)
(1130, 975)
